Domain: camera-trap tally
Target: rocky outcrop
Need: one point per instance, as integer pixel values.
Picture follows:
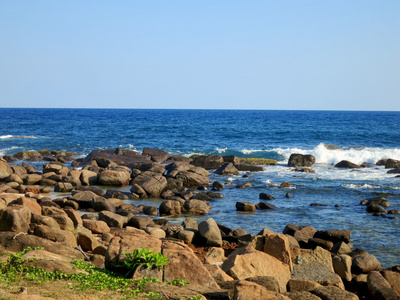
(300, 160)
(345, 164)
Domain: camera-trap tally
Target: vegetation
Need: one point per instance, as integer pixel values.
(144, 257)
(15, 271)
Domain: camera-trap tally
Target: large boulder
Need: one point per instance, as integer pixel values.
(115, 177)
(208, 229)
(300, 160)
(333, 293)
(121, 157)
(185, 265)
(278, 246)
(334, 236)
(15, 218)
(248, 290)
(88, 177)
(55, 235)
(208, 162)
(5, 170)
(392, 164)
(112, 219)
(247, 262)
(379, 288)
(365, 263)
(170, 207)
(154, 185)
(227, 169)
(156, 155)
(197, 207)
(345, 164)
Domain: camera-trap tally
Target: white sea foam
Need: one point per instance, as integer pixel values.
(323, 155)
(9, 136)
(360, 186)
(5, 150)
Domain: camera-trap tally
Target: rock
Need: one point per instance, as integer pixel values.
(265, 196)
(96, 226)
(208, 162)
(87, 241)
(317, 272)
(301, 233)
(140, 222)
(247, 262)
(74, 216)
(17, 242)
(56, 167)
(156, 155)
(217, 186)
(112, 219)
(393, 278)
(150, 210)
(277, 245)
(137, 189)
(114, 177)
(245, 206)
(63, 187)
(346, 164)
(55, 235)
(269, 282)
(286, 185)
(190, 223)
(208, 229)
(302, 296)
(15, 218)
(84, 198)
(31, 179)
(318, 255)
(182, 264)
(227, 169)
(342, 266)
(191, 178)
(392, 163)
(341, 248)
(89, 178)
(295, 285)
(100, 204)
(170, 207)
(60, 216)
(197, 207)
(215, 256)
(376, 208)
(217, 273)
(334, 293)
(154, 185)
(252, 291)
(173, 292)
(334, 236)
(264, 205)
(156, 232)
(186, 236)
(126, 242)
(365, 263)
(379, 288)
(30, 203)
(315, 242)
(44, 220)
(300, 160)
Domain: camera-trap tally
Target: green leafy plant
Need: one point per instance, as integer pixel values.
(178, 282)
(144, 257)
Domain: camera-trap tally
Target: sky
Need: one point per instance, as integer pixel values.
(200, 54)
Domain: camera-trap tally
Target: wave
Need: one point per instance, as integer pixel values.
(4, 151)
(360, 186)
(9, 136)
(357, 155)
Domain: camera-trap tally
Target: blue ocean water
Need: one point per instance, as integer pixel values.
(361, 136)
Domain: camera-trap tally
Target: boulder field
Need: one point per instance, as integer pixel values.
(219, 262)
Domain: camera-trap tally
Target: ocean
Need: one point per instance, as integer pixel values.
(361, 136)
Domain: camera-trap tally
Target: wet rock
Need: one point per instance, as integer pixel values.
(217, 186)
(227, 169)
(264, 205)
(170, 207)
(346, 165)
(245, 206)
(376, 208)
(300, 160)
(392, 163)
(197, 207)
(265, 196)
(208, 162)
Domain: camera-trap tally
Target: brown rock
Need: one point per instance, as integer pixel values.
(247, 262)
(185, 265)
(55, 235)
(334, 293)
(15, 218)
(379, 288)
(365, 263)
(252, 291)
(393, 278)
(278, 246)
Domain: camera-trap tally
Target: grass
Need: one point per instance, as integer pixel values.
(92, 283)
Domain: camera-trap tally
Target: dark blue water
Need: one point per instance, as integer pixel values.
(363, 137)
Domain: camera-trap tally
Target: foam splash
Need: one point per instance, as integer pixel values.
(9, 136)
(360, 186)
(323, 155)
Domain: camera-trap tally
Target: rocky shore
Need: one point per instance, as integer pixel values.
(93, 221)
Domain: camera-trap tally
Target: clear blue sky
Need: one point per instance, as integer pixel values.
(334, 55)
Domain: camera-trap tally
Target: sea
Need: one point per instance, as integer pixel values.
(361, 137)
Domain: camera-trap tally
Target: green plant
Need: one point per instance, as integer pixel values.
(178, 282)
(144, 257)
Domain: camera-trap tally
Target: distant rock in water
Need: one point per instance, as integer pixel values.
(346, 165)
(300, 160)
